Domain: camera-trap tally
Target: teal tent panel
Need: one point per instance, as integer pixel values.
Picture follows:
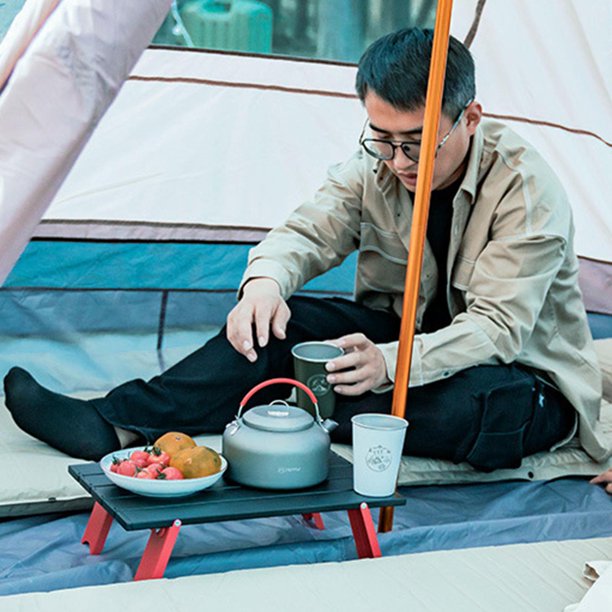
(145, 265)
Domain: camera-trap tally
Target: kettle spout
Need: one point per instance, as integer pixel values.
(329, 425)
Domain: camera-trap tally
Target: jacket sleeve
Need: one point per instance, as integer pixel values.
(316, 237)
(506, 292)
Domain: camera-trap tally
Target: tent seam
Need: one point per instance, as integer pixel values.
(123, 222)
(271, 56)
(338, 94)
(196, 81)
(543, 122)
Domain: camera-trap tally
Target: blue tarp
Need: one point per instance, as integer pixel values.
(45, 553)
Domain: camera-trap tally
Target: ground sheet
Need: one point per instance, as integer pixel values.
(44, 553)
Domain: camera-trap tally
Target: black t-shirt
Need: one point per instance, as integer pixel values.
(439, 225)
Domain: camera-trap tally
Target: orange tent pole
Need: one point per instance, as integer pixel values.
(433, 106)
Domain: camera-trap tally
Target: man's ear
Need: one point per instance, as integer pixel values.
(473, 115)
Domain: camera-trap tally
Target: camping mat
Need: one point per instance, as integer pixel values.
(35, 477)
(542, 577)
(44, 553)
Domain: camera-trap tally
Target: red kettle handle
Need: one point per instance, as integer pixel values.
(274, 381)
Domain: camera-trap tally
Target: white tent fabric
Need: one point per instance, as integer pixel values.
(544, 67)
(56, 95)
(209, 145)
(25, 27)
(220, 146)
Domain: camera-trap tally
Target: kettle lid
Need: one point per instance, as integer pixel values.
(278, 417)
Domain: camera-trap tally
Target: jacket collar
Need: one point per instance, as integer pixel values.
(469, 183)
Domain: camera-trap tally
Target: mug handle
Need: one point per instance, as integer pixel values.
(274, 381)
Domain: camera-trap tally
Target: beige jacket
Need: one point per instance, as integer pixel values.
(512, 271)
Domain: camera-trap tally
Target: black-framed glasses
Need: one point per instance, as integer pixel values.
(384, 150)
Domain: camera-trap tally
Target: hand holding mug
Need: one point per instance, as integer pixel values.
(361, 368)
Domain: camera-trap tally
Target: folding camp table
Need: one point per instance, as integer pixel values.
(224, 501)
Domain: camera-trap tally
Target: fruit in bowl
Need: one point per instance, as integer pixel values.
(196, 462)
(148, 462)
(173, 442)
(175, 465)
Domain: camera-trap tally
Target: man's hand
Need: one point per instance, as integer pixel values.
(604, 478)
(369, 369)
(261, 304)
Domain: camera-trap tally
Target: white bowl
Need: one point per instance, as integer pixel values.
(157, 488)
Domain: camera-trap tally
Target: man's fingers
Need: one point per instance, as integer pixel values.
(263, 314)
(349, 377)
(349, 360)
(355, 346)
(603, 477)
(352, 341)
(356, 389)
(239, 331)
(253, 316)
(248, 351)
(280, 320)
(352, 382)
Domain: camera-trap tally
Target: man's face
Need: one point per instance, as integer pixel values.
(387, 122)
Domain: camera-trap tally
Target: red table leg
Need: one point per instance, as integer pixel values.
(97, 529)
(364, 532)
(157, 553)
(316, 518)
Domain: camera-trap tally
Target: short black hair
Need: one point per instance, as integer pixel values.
(396, 68)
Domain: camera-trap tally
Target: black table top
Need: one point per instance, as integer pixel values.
(225, 501)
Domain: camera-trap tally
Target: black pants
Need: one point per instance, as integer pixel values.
(490, 416)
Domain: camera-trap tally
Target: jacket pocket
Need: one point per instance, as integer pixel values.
(462, 273)
(382, 260)
(387, 244)
(507, 410)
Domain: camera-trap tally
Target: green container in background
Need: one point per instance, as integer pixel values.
(229, 25)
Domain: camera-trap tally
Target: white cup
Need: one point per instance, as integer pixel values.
(378, 440)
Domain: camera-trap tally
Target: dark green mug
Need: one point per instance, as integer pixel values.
(309, 359)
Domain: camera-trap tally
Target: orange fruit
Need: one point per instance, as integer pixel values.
(196, 462)
(173, 442)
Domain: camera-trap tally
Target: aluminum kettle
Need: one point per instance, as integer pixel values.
(277, 446)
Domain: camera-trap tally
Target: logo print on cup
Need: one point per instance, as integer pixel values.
(378, 458)
(318, 384)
